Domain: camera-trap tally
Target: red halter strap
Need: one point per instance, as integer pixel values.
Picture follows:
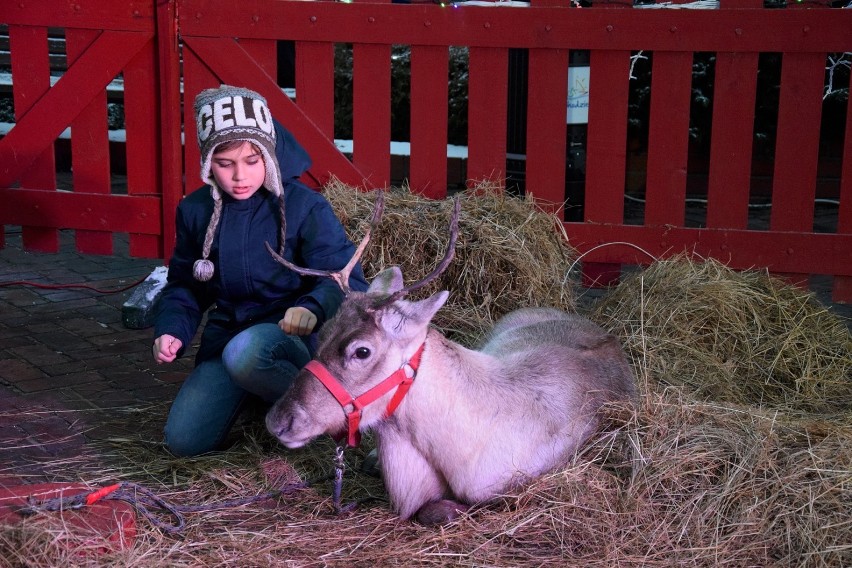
(401, 379)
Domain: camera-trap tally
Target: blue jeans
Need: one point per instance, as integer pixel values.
(260, 361)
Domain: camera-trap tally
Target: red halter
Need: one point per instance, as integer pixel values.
(401, 378)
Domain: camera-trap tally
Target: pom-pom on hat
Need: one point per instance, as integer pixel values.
(227, 114)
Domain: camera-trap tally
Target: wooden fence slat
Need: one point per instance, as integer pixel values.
(668, 138)
(171, 131)
(31, 70)
(315, 83)
(63, 209)
(556, 28)
(371, 116)
(606, 150)
(842, 286)
(145, 154)
(197, 77)
(429, 108)
(788, 252)
(797, 142)
(546, 136)
(129, 15)
(488, 102)
(732, 131)
(89, 147)
(371, 112)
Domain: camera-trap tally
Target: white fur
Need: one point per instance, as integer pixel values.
(475, 422)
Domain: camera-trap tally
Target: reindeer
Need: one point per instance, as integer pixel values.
(453, 426)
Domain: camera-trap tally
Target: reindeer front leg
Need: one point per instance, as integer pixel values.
(413, 484)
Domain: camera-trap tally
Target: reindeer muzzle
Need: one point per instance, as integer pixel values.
(401, 380)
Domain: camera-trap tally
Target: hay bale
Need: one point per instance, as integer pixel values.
(509, 254)
(742, 337)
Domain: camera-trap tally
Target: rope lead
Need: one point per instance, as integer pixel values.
(153, 507)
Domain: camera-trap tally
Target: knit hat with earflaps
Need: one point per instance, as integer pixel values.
(222, 115)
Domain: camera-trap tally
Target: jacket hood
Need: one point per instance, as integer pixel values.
(293, 159)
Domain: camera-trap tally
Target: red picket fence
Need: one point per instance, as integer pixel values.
(161, 50)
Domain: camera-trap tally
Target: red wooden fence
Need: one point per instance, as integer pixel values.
(159, 48)
(101, 43)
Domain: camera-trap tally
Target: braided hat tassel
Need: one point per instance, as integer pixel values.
(282, 238)
(203, 268)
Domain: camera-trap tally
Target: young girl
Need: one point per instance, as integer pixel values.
(257, 334)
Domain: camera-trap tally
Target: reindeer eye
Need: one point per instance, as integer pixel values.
(362, 353)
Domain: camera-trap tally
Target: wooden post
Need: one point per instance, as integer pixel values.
(170, 119)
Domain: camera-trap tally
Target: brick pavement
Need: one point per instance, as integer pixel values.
(70, 372)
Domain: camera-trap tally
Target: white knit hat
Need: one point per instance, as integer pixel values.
(223, 115)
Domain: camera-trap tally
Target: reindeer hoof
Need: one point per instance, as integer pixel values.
(440, 512)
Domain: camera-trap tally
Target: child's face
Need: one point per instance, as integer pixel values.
(239, 171)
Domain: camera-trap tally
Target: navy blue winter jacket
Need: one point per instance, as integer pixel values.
(248, 285)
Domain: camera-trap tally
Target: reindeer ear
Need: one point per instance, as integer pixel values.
(425, 310)
(386, 282)
(404, 319)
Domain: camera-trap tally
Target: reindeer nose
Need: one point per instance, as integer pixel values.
(275, 425)
(270, 423)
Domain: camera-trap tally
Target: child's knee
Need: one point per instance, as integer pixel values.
(240, 358)
(183, 444)
(250, 347)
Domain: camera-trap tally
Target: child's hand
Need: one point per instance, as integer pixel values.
(298, 321)
(166, 348)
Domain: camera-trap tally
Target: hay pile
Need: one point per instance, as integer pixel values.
(687, 483)
(740, 337)
(509, 254)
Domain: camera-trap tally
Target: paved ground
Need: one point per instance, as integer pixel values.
(71, 374)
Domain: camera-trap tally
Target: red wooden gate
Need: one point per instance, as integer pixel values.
(102, 42)
(235, 43)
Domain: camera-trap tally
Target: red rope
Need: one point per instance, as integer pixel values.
(63, 286)
(153, 507)
(93, 498)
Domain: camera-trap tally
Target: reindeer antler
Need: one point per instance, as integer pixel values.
(340, 276)
(448, 257)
